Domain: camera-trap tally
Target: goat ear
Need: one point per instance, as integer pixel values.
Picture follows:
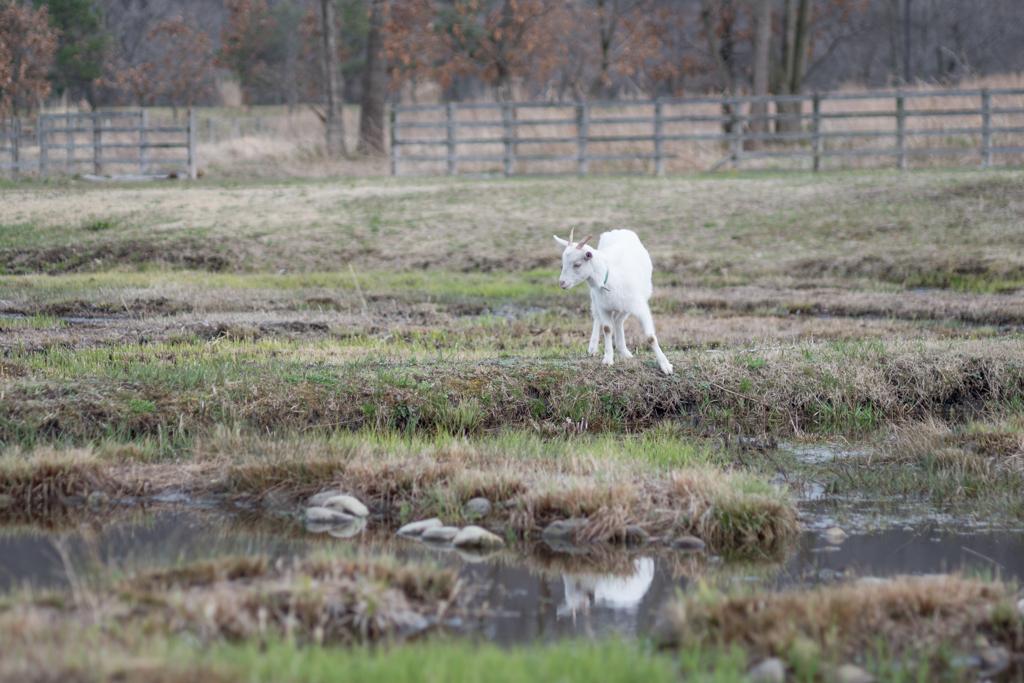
(560, 241)
(583, 241)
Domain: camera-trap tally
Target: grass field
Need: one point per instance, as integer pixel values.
(251, 342)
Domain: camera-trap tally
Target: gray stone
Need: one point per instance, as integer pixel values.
(350, 505)
(347, 530)
(477, 537)
(319, 499)
(688, 543)
(769, 671)
(835, 535)
(320, 515)
(440, 534)
(850, 673)
(478, 507)
(97, 500)
(6, 501)
(994, 660)
(562, 529)
(417, 528)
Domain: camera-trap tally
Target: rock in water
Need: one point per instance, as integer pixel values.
(440, 534)
(769, 671)
(319, 499)
(562, 529)
(477, 537)
(350, 505)
(478, 507)
(834, 536)
(417, 528)
(688, 543)
(347, 530)
(321, 515)
(97, 500)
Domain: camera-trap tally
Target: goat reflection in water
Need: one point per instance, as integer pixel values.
(615, 592)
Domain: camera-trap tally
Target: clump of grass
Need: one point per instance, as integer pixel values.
(911, 615)
(317, 599)
(46, 482)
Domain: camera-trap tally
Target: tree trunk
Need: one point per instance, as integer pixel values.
(721, 64)
(762, 45)
(795, 49)
(606, 34)
(375, 75)
(334, 86)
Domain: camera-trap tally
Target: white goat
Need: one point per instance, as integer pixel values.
(618, 272)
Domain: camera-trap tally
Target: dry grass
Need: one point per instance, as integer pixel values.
(732, 511)
(900, 618)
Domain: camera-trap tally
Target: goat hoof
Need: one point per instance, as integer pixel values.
(607, 361)
(667, 369)
(626, 354)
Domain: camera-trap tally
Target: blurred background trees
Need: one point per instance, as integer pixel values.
(247, 52)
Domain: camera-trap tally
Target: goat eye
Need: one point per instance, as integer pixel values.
(575, 265)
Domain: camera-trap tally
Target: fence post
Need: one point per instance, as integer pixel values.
(816, 126)
(393, 116)
(450, 124)
(901, 132)
(659, 139)
(15, 149)
(69, 140)
(737, 134)
(238, 131)
(143, 141)
(507, 134)
(193, 139)
(97, 144)
(986, 129)
(209, 124)
(582, 133)
(260, 126)
(41, 122)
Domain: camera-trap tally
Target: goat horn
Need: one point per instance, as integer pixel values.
(583, 241)
(571, 231)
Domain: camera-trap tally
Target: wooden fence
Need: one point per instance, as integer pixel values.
(509, 138)
(121, 139)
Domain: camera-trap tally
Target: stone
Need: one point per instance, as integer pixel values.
(6, 501)
(347, 530)
(478, 507)
(477, 537)
(440, 534)
(475, 555)
(97, 500)
(350, 505)
(994, 660)
(320, 515)
(835, 535)
(850, 673)
(319, 499)
(688, 543)
(562, 529)
(769, 671)
(417, 528)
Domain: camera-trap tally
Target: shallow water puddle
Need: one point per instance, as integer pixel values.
(525, 594)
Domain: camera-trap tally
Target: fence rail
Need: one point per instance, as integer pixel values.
(504, 137)
(128, 136)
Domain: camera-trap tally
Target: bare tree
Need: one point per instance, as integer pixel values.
(375, 83)
(762, 50)
(334, 84)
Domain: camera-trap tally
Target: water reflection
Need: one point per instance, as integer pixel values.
(518, 595)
